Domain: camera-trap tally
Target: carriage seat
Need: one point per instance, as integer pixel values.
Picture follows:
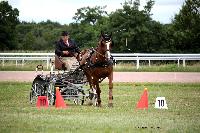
(59, 64)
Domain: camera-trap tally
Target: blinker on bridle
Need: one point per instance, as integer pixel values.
(105, 39)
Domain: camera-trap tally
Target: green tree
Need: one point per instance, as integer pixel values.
(186, 25)
(89, 23)
(89, 15)
(149, 6)
(84, 34)
(8, 22)
(38, 36)
(136, 27)
(29, 41)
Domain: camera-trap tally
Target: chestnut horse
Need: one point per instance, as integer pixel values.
(98, 64)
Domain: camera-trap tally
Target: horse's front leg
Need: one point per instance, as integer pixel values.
(91, 90)
(110, 97)
(92, 93)
(98, 91)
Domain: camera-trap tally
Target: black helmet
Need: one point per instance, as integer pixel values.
(65, 33)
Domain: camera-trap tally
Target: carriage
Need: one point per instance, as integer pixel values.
(71, 85)
(95, 68)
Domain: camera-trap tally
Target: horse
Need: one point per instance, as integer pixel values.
(98, 64)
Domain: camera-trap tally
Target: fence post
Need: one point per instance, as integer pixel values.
(3, 62)
(47, 62)
(178, 62)
(149, 63)
(22, 62)
(138, 63)
(183, 62)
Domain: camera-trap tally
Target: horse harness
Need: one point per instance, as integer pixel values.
(98, 63)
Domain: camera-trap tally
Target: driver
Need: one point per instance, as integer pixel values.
(66, 50)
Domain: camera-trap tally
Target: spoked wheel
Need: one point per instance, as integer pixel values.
(92, 98)
(81, 98)
(38, 89)
(51, 93)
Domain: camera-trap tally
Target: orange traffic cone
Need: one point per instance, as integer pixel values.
(143, 102)
(60, 103)
(42, 102)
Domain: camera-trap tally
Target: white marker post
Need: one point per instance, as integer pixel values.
(161, 103)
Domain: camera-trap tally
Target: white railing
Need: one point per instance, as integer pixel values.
(26, 56)
(155, 56)
(117, 56)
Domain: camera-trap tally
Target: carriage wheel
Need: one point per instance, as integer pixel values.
(33, 98)
(92, 98)
(81, 98)
(51, 93)
(38, 89)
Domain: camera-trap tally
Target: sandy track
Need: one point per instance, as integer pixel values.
(179, 77)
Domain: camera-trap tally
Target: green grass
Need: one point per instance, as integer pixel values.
(157, 68)
(120, 67)
(18, 115)
(28, 66)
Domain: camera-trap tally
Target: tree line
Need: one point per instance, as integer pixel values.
(133, 30)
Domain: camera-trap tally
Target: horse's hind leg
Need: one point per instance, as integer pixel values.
(110, 103)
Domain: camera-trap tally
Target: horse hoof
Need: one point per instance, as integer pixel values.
(98, 105)
(90, 103)
(110, 105)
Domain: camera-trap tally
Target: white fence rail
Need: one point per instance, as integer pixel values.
(117, 56)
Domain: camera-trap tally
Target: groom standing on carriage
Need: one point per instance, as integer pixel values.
(66, 52)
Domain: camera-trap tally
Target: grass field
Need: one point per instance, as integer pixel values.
(18, 115)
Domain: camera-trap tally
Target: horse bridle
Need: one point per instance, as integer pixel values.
(107, 45)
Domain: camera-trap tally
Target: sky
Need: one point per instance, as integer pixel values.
(62, 11)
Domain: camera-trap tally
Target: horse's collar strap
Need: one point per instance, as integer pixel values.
(98, 52)
(102, 64)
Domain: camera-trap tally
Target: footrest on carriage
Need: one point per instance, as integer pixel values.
(71, 96)
(74, 66)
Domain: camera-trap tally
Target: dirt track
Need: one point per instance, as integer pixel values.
(179, 77)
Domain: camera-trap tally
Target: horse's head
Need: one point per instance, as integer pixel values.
(105, 44)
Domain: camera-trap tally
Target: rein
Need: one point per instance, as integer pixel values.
(101, 64)
(92, 60)
(98, 52)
